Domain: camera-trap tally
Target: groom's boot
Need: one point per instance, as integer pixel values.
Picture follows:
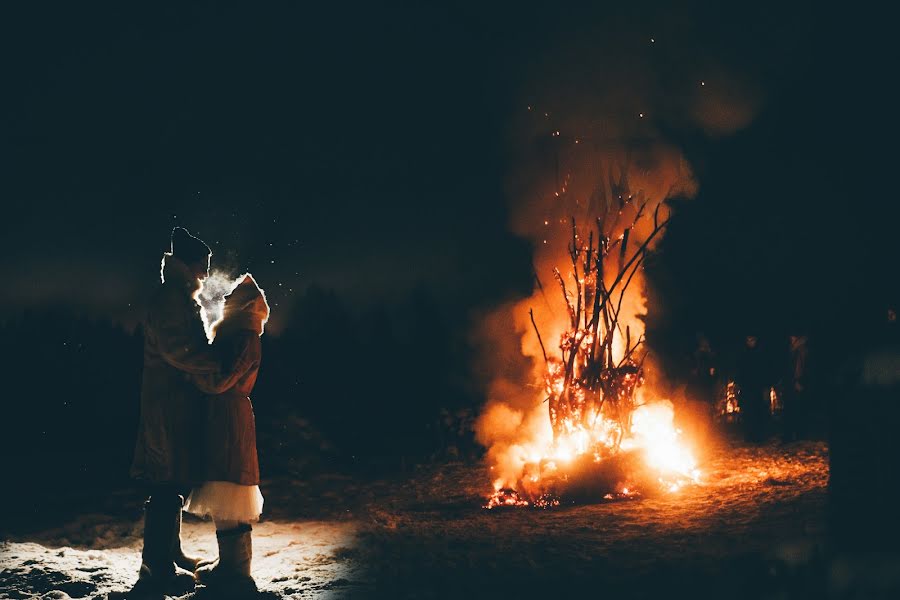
(231, 574)
(181, 560)
(157, 576)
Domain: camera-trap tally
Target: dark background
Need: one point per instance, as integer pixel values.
(355, 159)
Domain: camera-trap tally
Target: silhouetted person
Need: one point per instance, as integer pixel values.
(795, 389)
(228, 491)
(175, 346)
(703, 372)
(754, 383)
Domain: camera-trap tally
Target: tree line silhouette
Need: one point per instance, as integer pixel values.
(382, 384)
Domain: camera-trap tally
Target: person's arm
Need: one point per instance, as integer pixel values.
(180, 337)
(226, 376)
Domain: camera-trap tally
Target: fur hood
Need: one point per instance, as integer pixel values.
(245, 308)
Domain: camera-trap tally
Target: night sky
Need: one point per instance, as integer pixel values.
(370, 150)
(384, 171)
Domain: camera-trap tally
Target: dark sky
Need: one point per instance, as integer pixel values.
(368, 149)
(355, 147)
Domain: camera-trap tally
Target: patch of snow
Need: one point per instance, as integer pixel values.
(95, 556)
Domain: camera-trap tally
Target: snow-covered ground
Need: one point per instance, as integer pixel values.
(97, 555)
(753, 528)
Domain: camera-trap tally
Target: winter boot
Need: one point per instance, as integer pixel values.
(181, 560)
(157, 576)
(231, 573)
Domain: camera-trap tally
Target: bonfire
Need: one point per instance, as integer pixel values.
(609, 439)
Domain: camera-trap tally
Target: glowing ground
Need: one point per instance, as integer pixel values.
(296, 560)
(754, 527)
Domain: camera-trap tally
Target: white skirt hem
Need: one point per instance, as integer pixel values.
(225, 501)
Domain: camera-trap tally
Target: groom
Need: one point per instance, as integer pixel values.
(175, 344)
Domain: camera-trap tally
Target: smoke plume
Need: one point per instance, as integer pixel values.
(591, 144)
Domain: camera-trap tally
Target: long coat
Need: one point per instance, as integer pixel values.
(175, 346)
(228, 439)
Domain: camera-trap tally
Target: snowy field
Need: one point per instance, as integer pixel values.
(303, 559)
(753, 528)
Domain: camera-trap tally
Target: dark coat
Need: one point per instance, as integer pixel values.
(175, 346)
(228, 435)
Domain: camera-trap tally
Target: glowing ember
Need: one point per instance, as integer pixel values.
(668, 463)
(509, 498)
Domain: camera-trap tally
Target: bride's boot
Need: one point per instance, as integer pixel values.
(231, 573)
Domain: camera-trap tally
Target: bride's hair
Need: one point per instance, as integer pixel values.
(245, 308)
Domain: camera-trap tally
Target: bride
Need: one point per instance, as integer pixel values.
(229, 467)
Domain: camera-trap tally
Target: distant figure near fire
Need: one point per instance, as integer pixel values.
(796, 409)
(753, 379)
(230, 467)
(175, 347)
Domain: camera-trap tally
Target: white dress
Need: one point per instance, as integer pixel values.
(225, 501)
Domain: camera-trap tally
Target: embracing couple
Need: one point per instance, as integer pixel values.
(197, 432)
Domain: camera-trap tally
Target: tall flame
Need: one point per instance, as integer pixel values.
(654, 431)
(590, 183)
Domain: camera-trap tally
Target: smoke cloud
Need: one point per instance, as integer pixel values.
(591, 143)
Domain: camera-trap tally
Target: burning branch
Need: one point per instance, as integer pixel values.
(598, 370)
(538, 333)
(609, 438)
